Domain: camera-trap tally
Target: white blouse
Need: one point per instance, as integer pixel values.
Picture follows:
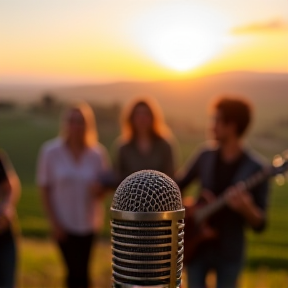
(69, 181)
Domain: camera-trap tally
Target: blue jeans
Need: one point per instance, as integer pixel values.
(227, 272)
(7, 259)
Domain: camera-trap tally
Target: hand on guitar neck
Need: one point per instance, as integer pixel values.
(196, 216)
(238, 200)
(236, 197)
(241, 202)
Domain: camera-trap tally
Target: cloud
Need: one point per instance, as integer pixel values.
(275, 25)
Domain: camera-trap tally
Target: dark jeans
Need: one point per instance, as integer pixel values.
(227, 272)
(76, 251)
(7, 259)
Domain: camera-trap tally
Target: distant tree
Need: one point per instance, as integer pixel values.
(48, 102)
(7, 105)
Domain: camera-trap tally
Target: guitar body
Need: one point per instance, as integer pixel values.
(191, 237)
(194, 233)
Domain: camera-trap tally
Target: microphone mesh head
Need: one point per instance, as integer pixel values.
(147, 251)
(147, 191)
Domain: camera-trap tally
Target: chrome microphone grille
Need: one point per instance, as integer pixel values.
(147, 191)
(147, 230)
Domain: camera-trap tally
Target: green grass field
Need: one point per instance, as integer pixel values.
(40, 266)
(21, 135)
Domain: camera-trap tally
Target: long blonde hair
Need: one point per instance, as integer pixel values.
(159, 127)
(91, 135)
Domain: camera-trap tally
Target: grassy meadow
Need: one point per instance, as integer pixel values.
(22, 133)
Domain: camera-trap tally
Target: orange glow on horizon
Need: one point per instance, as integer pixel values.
(112, 54)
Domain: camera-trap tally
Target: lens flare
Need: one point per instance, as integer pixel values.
(180, 35)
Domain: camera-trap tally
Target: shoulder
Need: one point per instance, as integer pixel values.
(207, 149)
(121, 146)
(164, 143)
(201, 155)
(51, 146)
(98, 151)
(255, 159)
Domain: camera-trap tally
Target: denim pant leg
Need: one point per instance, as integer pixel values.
(228, 273)
(196, 274)
(7, 259)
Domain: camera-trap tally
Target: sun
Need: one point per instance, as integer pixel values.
(179, 35)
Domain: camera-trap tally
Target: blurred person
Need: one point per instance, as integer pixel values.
(217, 167)
(145, 140)
(9, 194)
(69, 175)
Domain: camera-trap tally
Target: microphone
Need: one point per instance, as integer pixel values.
(147, 232)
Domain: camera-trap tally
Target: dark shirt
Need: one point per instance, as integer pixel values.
(130, 159)
(223, 174)
(216, 175)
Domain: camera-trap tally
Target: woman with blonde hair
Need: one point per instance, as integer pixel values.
(145, 140)
(69, 171)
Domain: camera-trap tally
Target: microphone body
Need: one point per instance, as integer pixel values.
(147, 232)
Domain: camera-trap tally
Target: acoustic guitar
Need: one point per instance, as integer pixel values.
(197, 213)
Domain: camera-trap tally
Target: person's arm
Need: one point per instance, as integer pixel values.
(169, 161)
(106, 178)
(44, 184)
(252, 206)
(119, 163)
(189, 173)
(58, 232)
(10, 190)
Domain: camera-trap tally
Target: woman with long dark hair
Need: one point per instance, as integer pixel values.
(145, 141)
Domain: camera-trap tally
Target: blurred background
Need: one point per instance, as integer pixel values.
(181, 52)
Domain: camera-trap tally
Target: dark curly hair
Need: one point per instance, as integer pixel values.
(237, 110)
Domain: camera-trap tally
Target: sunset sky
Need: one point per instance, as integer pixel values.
(73, 41)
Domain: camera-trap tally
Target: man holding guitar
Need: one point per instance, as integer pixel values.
(218, 242)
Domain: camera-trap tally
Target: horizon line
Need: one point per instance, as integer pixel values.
(66, 84)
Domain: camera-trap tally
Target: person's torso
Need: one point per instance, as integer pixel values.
(216, 176)
(70, 188)
(134, 160)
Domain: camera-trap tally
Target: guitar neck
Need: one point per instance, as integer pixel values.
(211, 208)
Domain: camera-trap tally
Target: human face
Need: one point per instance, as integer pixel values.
(75, 125)
(142, 119)
(221, 130)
